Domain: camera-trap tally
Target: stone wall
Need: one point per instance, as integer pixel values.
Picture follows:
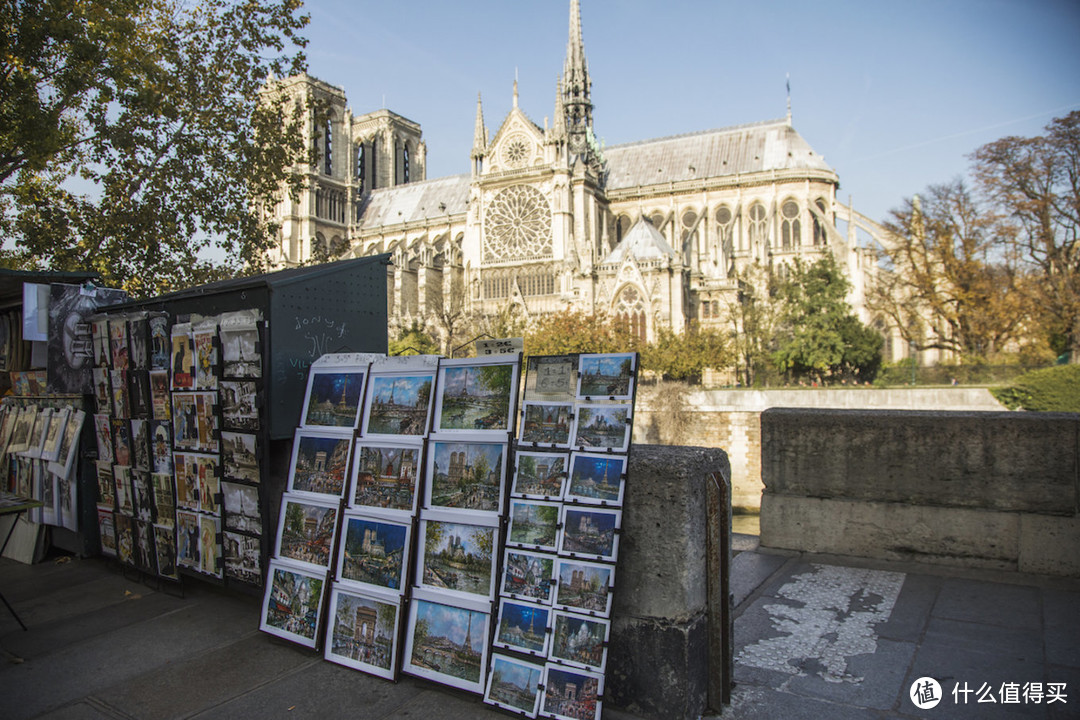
(977, 489)
(659, 662)
(676, 414)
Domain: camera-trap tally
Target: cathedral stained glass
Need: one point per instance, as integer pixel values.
(518, 225)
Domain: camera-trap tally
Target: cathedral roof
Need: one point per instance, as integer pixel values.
(643, 242)
(415, 201)
(756, 147)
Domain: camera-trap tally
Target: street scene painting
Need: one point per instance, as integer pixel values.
(239, 405)
(385, 476)
(475, 395)
(292, 602)
(239, 457)
(320, 462)
(606, 376)
(571, 694)
(523, 626)
(596, 478)
(363, 633)
(590, 533)
(466, 475)
(602, 427)
(547, 423)
(447, 644)
(458, 557)
(528, 575)
(534, 525)
(514, 685)
(306, 530)
(539, 475)
(580, 640)
(333, 397)
(584, 586)
(398, 404)
(374, 552)
(242, 557)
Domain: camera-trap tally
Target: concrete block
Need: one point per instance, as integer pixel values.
(891, 531)
(1050, 545)
(1024, 462)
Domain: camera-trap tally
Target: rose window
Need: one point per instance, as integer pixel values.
(518, 225)
(515, 151)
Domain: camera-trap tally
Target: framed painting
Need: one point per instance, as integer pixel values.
(476, 395)
(292, 603)
(466, 475)
(591, 533)
(240, 457)
(242, 512)
(551, 378)
(374, 553)
(384, 476)
(306, 531)
(523, 626)
(547, 424)
(597, 478)
(456, 555)
(333, 397)
(584, 587)
(398, 404)
(514, 685)
(534, 524)
(320, 462)
(603, 427)
(363, 631)
(572, 694)
(447, 642)
(528, 576)
(539, 475)
(579, 640)
(243, 557)
(607, 376)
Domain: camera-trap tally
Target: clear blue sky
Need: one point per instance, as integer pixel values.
(893, 94)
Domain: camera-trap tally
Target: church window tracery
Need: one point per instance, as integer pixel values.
(819, 228)
(757, 225)
(360, 167)
(518, 225)
(723, 247)
(630, 309)
(790, 227)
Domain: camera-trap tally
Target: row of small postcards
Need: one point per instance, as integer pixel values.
(407, 461)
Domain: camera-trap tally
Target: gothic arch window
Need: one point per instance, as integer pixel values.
(405, 162)
(689, 237)
(820, 237)
(790, 226)
(757, 225)
(518, 225)
(622, 226)
(630, 309)
(328, 146)
(723, 247)
(360, 167)
(657, 219)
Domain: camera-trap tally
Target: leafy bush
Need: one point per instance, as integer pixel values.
(1055, 389)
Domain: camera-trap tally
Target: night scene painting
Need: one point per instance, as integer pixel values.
(579, 640)
(476, 397)
(467, 475)
(596, 478)
(320, 463)
(333, 398)
(546, 423)
(584, 586)
(448, 644)
(603, 427)
(373, 552)
(292, 603)
(572, 694)
(515, 685)
(362, 633)
(528, 575)
(539, 475)
(307, 532)
(590, 532)
(386, 477)
(533, 524)
(458, 557)
(399, 404)
(606, 376)
(523, 627)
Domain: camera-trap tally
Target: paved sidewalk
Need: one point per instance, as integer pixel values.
(816, 637)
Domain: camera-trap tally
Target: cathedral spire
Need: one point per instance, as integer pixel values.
(479, 143)
(558, 125)
(577, 87)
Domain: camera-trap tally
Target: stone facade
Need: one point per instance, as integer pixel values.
(660, 232)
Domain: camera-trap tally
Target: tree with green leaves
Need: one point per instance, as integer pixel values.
(818, 334)
(684, 356)
(135, 140)
(576, 331)
(753, 316)
(413, 340)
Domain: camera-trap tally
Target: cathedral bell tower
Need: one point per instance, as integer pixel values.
(576, 88)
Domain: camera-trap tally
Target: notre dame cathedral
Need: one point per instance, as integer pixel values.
(659, 232)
